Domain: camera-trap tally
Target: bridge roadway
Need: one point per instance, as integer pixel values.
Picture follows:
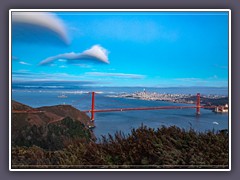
(147, 108)
(125, 109)
(93, 111)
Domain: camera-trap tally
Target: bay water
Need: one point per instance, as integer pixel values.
(106, 98)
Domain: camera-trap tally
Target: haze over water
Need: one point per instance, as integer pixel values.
(110, 122)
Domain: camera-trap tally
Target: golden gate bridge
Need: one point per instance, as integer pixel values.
(92, 111)
(197, 106)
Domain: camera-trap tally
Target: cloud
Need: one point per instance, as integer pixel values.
(35, 24)
(188, 79)
(32, 76)
(40, 83)
(26, 76)
(195, 81)
(21, 72)
(24, 63)
(221, 66)
(214, 77)
(121, 75)
(62, 60)
(84, 65)
(15, 58)
(96, 53)
(209, 81)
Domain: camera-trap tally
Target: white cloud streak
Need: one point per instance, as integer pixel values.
(22, 75)
(26, 76)
(24, 63)
(188, 79)
(120, 75)
(15, 58)
(43, 19)
(96, 52)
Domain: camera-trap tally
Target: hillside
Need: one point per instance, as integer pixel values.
(19, 106)
(207, 101)
(47, 114)
(66, 110)
(48, 127)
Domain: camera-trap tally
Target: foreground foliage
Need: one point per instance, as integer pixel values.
(54, 136)
(144, 147)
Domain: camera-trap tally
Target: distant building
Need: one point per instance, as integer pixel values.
(221, 109)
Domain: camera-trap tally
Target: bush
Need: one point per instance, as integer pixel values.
(144, 147)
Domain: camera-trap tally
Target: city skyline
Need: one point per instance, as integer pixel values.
(155, 49)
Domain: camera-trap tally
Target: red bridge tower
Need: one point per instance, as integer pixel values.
(198, 106)
(93, 105)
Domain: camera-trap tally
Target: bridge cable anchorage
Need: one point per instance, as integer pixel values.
(93, 110)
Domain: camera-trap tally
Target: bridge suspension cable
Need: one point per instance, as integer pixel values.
(197, 106)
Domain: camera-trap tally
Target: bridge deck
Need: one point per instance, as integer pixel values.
(148, 108)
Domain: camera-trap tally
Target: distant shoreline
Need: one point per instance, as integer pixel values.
(175, 98)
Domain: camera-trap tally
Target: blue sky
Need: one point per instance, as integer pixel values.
(154, 49)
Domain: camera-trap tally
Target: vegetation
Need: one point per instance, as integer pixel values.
(144, 147)
(53, 136)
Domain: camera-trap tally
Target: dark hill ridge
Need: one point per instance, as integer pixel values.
(47, 126)
(19, 106)
(47, 114)
(66, 111)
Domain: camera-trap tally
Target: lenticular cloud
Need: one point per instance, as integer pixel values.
(96, 52)
(44, 20)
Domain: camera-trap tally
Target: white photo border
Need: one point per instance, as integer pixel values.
(119, 10)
